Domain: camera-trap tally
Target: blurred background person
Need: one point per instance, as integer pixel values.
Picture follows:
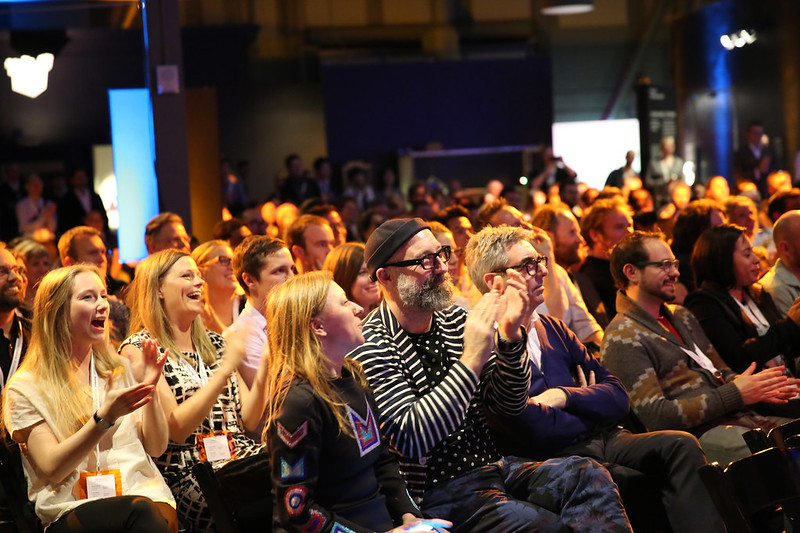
(221, 296)
(349, 271)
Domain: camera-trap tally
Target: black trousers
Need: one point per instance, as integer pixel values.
(670, 458)
(122, 514)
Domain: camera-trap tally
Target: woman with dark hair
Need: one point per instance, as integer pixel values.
(331, 470)
(739, 318)
(346, 263)
(697, 217)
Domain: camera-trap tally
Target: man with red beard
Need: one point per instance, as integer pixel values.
(14, 322)
(436, 371)
(673, 374)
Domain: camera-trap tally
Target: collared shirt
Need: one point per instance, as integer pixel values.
(253, 325)
(8, 342)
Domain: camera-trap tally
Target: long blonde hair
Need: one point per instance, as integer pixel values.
(49, 356)
(147, 308)
(295, 351)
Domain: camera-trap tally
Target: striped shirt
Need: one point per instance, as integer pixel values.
(438, 425)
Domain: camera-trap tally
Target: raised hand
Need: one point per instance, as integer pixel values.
(152, 362)
(515, 306)
(234, 351)
(120, 402)
(479, 329)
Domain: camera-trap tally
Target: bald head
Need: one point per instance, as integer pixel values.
(786, 234)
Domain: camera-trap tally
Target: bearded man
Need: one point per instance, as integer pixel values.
(435, 370)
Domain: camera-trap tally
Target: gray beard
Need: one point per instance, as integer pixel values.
(428, 297)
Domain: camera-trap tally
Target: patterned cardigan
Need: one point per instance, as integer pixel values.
(668, 389)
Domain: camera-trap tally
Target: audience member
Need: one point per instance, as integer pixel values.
(37, 264)
(389, 191)
(782, 282)
(296, 186)
(15, 320)
(349, 271)
(36, 217)
(781, 202)
(68, 373)
(574, 403)
(323, 174)
(358, 188)
(329, 213)
(234, 192)
(221, 294)
(233, 230)
(663, 170)
(564, 232)
(717, 189)
(435, 373)
(310, 239)
(605, 224)
(10, 193)
(752, 161)
(455, 268)
(164, 232)
(673, 374)
(698, 216)
(201, 393)
(343, 474)
(368, 221)
(737, 315)
(778, 181)
(551, 170)
(78, 201)
(83, 244)
(741, 211)
(617, 177)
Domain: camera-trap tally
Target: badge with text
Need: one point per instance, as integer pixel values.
(216, 446)
(100, 484)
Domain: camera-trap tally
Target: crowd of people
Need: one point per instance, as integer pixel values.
(431, 361)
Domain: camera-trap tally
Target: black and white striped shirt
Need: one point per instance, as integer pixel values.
(437, 423)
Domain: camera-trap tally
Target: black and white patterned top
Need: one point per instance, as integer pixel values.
(431, 405)
(177, 460)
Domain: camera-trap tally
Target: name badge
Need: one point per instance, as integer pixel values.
(217, 446)
(100, 484)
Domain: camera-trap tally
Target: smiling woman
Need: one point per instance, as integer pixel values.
(79, 477)
(739, 318)
(206, 403)
(221, 298)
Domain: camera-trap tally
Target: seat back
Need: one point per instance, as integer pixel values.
(15, 488)
(722, 494)
(238, 494)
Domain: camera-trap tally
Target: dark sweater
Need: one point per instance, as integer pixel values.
(324, 478)
(599, 273)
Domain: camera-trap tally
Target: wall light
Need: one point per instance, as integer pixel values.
(567, 7)
(29, 75)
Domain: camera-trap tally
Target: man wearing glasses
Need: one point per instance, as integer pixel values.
(675, 378)
(15, 324)
(574, 403)
(436, 371)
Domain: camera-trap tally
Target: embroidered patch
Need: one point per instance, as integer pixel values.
(293, 471)
(291, 439)
(315, 524)
(365, 430)
(339, 528)
(295, 499)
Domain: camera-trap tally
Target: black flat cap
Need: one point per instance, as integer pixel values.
(388, 238)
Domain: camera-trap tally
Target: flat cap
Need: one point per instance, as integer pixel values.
(387, 239)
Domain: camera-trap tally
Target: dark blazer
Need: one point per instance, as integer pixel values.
(734, 336)
(71, 212)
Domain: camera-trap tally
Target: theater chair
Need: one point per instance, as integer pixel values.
(784, 436)
(17, 514)
(238, 494)
(759, 493)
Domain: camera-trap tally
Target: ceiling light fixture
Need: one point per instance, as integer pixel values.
(567, 7)
(737, 39)
(29, 75)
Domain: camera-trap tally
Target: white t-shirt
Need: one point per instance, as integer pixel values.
(120, 448)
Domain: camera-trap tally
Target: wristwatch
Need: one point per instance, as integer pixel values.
(102, 423)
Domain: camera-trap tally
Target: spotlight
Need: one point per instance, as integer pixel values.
(567, 7)
(737, 39)
(523, 180)
(29, 75)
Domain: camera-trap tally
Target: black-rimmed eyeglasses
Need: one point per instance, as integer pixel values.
(427, 261)
(663, 264)
(530, 266)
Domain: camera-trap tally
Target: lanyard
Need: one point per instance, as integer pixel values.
(14, 358)
(201, 377)
(701, 359)
(95, 397)
(755, 315)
